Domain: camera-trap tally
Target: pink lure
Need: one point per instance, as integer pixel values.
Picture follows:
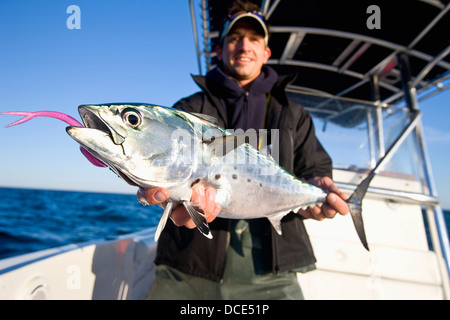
(57, 115)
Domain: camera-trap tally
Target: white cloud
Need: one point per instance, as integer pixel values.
(433, 135)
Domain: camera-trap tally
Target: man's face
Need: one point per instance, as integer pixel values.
(243, 53)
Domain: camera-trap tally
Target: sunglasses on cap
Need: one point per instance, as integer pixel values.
(232, 19)
(258, 14)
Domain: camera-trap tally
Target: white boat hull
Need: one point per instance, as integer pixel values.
(398, 266)
(117, 270)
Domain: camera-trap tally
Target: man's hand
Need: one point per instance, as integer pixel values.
(335, 201)
(204, 198)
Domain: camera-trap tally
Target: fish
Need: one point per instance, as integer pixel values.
(154, 146)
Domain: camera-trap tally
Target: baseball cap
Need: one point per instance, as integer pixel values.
(255, 15)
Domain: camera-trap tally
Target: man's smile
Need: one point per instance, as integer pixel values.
(243, 59)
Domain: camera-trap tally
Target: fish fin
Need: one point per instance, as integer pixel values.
(198, 218)
(266, 150)
(205, 117)
(220, 146)
(296, 210)
(355, 206)
(275, 220)
(163, 219)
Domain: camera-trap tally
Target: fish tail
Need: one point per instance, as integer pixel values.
(355, 206)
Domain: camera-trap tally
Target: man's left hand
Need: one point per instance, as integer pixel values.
(335, 201)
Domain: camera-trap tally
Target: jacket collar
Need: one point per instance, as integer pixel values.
(278, 90)
(280, 85)
(282, 82)
(205, 85)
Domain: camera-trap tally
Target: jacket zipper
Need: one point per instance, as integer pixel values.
(247, 94)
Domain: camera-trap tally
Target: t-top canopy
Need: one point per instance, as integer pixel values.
(346, 48)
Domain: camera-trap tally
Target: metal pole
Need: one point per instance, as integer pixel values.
(378, 115)
(435, 217)
(195, 32)
(206, 34)
(370, 133)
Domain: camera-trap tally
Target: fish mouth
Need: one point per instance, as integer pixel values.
(93, 121)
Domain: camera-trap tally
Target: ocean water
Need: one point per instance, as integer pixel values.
(32, 220)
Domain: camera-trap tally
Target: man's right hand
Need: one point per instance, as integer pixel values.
(204, 198)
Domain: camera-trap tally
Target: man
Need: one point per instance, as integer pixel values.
(246, 259)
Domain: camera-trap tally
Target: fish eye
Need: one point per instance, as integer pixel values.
(132, 118)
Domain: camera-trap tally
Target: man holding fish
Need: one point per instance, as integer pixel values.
(245, 259)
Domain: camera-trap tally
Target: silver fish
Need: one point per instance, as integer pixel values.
(153, 146)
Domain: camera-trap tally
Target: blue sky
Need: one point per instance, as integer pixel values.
(125, 51)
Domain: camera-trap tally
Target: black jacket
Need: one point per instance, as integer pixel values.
(300, 153)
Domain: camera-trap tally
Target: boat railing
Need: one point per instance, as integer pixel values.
(387, 127)
(393, 136)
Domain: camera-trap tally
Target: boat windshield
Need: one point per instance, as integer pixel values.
(357, 134)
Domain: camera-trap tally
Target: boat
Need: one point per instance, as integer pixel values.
(364, 68)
